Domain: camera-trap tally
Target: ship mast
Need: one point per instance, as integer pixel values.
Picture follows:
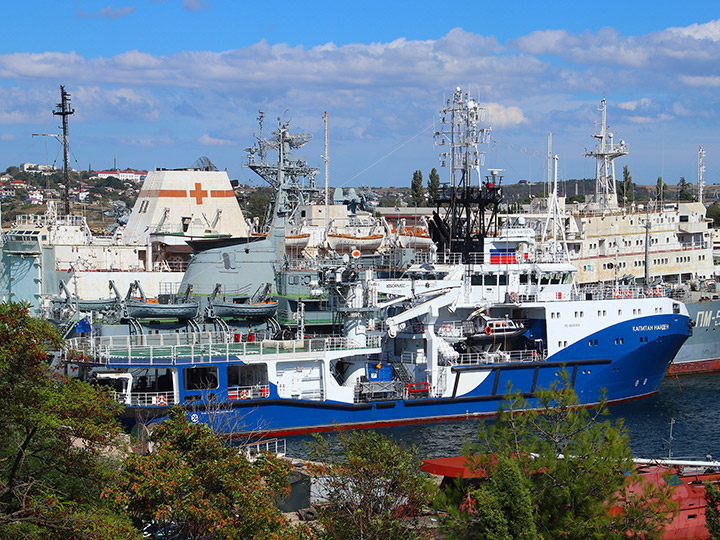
(549, 165)
(64, 110)
(292, 179)
(701, 170)
(606, 151)
(462, 230)
(326, 158)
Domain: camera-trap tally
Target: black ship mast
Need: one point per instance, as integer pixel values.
(64, 110)
(466, 214)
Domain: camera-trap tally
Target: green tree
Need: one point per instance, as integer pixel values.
(626, 193)
(502, 507)
(713, 212)
(417, 194)
(684, 190)
(257, 204)
(12, 170)
(388, 201)
(433, 186)
(712, 510)
(577, 468)
(54, 439)
(194, 486)
(371, 488)
(661, 189)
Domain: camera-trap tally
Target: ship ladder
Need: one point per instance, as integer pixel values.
(402, 373)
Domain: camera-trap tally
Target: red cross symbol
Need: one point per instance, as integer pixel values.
(198, 193)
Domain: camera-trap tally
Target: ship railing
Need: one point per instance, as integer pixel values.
(453, 329)
(620, 292)
(299, 263)
(378, 390)
(406, 357)
(269, 446)
(112, 350)
(497, 357)
(694, 245)
(145, 399)
(259, 391)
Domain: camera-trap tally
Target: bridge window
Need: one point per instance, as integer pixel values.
(247, 375)
(200, 377)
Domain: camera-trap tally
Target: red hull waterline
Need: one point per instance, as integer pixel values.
(701, 366)
(286, 432)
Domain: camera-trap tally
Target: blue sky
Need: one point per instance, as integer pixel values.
(160, 83)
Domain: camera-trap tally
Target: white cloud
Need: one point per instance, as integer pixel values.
(649, 119)
(711, 81)
(372, 90)
(543, 41)
(145, 142)
(504, 117)
(208, 140)
(709, 30)
(108, 12)
(642, 103)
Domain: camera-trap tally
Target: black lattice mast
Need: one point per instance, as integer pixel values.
(470, 211)
(64, 110)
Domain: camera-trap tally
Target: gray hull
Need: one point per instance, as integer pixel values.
(258, 311)
(701, 352)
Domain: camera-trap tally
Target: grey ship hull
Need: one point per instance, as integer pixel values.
(700, 353)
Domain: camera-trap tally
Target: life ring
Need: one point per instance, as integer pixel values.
(628, 293)
(448, 329)
(244, 394)
(161, 401)
(488, 330)
(618, 294)
(650, 291)
(658, 292)
(513, 297)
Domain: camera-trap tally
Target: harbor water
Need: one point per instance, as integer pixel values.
(691, 401)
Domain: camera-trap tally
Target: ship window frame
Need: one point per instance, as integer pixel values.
(191, 382)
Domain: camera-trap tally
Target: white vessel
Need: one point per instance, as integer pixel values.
(42, 250)
(660, 246)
